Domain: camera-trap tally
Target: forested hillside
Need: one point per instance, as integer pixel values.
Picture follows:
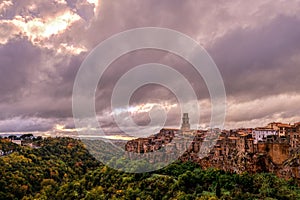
(61, 168)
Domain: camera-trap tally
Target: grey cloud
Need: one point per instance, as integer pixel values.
(285, 106)
(18, 58)
(255, 62)
(35, 81)
(22, 124)
(84, 9)
(21, 8)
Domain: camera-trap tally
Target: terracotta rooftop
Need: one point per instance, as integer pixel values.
(284, 125)
(274, 123)
(263, 129)
(170, 129)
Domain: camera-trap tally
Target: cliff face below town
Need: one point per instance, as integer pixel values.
(232, 151)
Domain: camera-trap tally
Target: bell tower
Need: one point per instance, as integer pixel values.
(185, 126)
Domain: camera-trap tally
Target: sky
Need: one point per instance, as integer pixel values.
(255, 45)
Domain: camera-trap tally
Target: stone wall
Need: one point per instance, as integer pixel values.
(232, 151)
(279, 152)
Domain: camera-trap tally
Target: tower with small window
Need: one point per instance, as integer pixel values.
(185, 126)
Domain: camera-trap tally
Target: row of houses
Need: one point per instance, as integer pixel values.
(289, 131)
(276, 139)
(151, 143)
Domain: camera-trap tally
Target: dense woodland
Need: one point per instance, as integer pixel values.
(62, 168)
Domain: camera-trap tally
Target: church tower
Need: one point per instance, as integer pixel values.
(185, 126)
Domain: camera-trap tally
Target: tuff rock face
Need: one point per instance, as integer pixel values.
(232, 151)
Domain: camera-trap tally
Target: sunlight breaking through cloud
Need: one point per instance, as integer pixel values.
(38, 29)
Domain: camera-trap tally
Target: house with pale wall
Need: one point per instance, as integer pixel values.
(281, 128)
(261, 134)
(293, 135)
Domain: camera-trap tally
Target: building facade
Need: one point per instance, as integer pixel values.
(261, 134)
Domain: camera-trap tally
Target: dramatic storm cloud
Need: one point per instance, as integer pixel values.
(256, 46)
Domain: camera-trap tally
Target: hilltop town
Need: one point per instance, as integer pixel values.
(272, 148)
